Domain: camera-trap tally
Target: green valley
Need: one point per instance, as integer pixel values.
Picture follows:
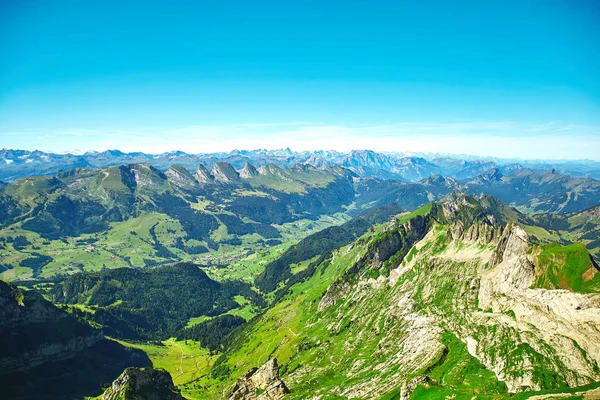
(311, 283)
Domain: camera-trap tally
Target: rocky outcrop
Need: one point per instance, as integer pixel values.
(513, 243)
(408, 387)
(260, 383)
(143, 384)
(248, 171)
(396, 240)
(202, 175)
(483, 233)
(560, 326)
(46, 353)
(334, 292)
(460, 314)
(225, 173)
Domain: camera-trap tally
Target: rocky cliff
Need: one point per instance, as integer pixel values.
(449, 303)
(260, 383)
(181, 177)
(33, 331)
(202, 175)
(558, 326)
(225, 173)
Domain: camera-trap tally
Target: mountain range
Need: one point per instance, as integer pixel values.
(455, 299)
(136, 215)
(16, 164)
(248, 281)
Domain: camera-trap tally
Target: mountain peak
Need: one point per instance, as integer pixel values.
(181, 176)
(494, 174)
(466, 210)
(435, 179)
(202, 175)
(224, 172)
(270, 169)
(248, 171)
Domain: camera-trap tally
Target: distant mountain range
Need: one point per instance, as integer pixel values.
(16, 164)
(137, 215)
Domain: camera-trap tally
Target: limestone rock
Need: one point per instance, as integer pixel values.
(396, 238)
(408, 387)
(260, 383)
(181, 177)
(143, 384)
(332, 294)
(224, 172)
(202, 175)
(248, 171)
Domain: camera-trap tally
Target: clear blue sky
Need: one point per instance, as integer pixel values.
(212, 75)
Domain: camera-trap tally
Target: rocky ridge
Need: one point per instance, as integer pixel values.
(181, 177)
(453, 311)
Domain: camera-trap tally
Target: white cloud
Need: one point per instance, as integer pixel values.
(552, 140)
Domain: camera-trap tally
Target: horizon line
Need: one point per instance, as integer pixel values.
(405, 154)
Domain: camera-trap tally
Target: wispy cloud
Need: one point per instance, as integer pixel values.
(553, 139)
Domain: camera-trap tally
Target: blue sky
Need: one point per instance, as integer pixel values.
(499, 78)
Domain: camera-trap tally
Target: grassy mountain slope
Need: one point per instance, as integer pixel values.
(582, 226)
(151, 304)
(135, 215)
(442, 304)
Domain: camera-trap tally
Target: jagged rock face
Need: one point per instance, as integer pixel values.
(563, 326)
(33, 331)
(261, 384)
(317, 161)
(147, 175)
(513, 243)
(462, 210)
(181, 177)
(483, 233)
(143, 384)
(202, 175)
(397, 238)
(224, 172)
(472, 283)
(248, 171)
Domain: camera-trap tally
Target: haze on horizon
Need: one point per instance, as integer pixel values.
(505, 79)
